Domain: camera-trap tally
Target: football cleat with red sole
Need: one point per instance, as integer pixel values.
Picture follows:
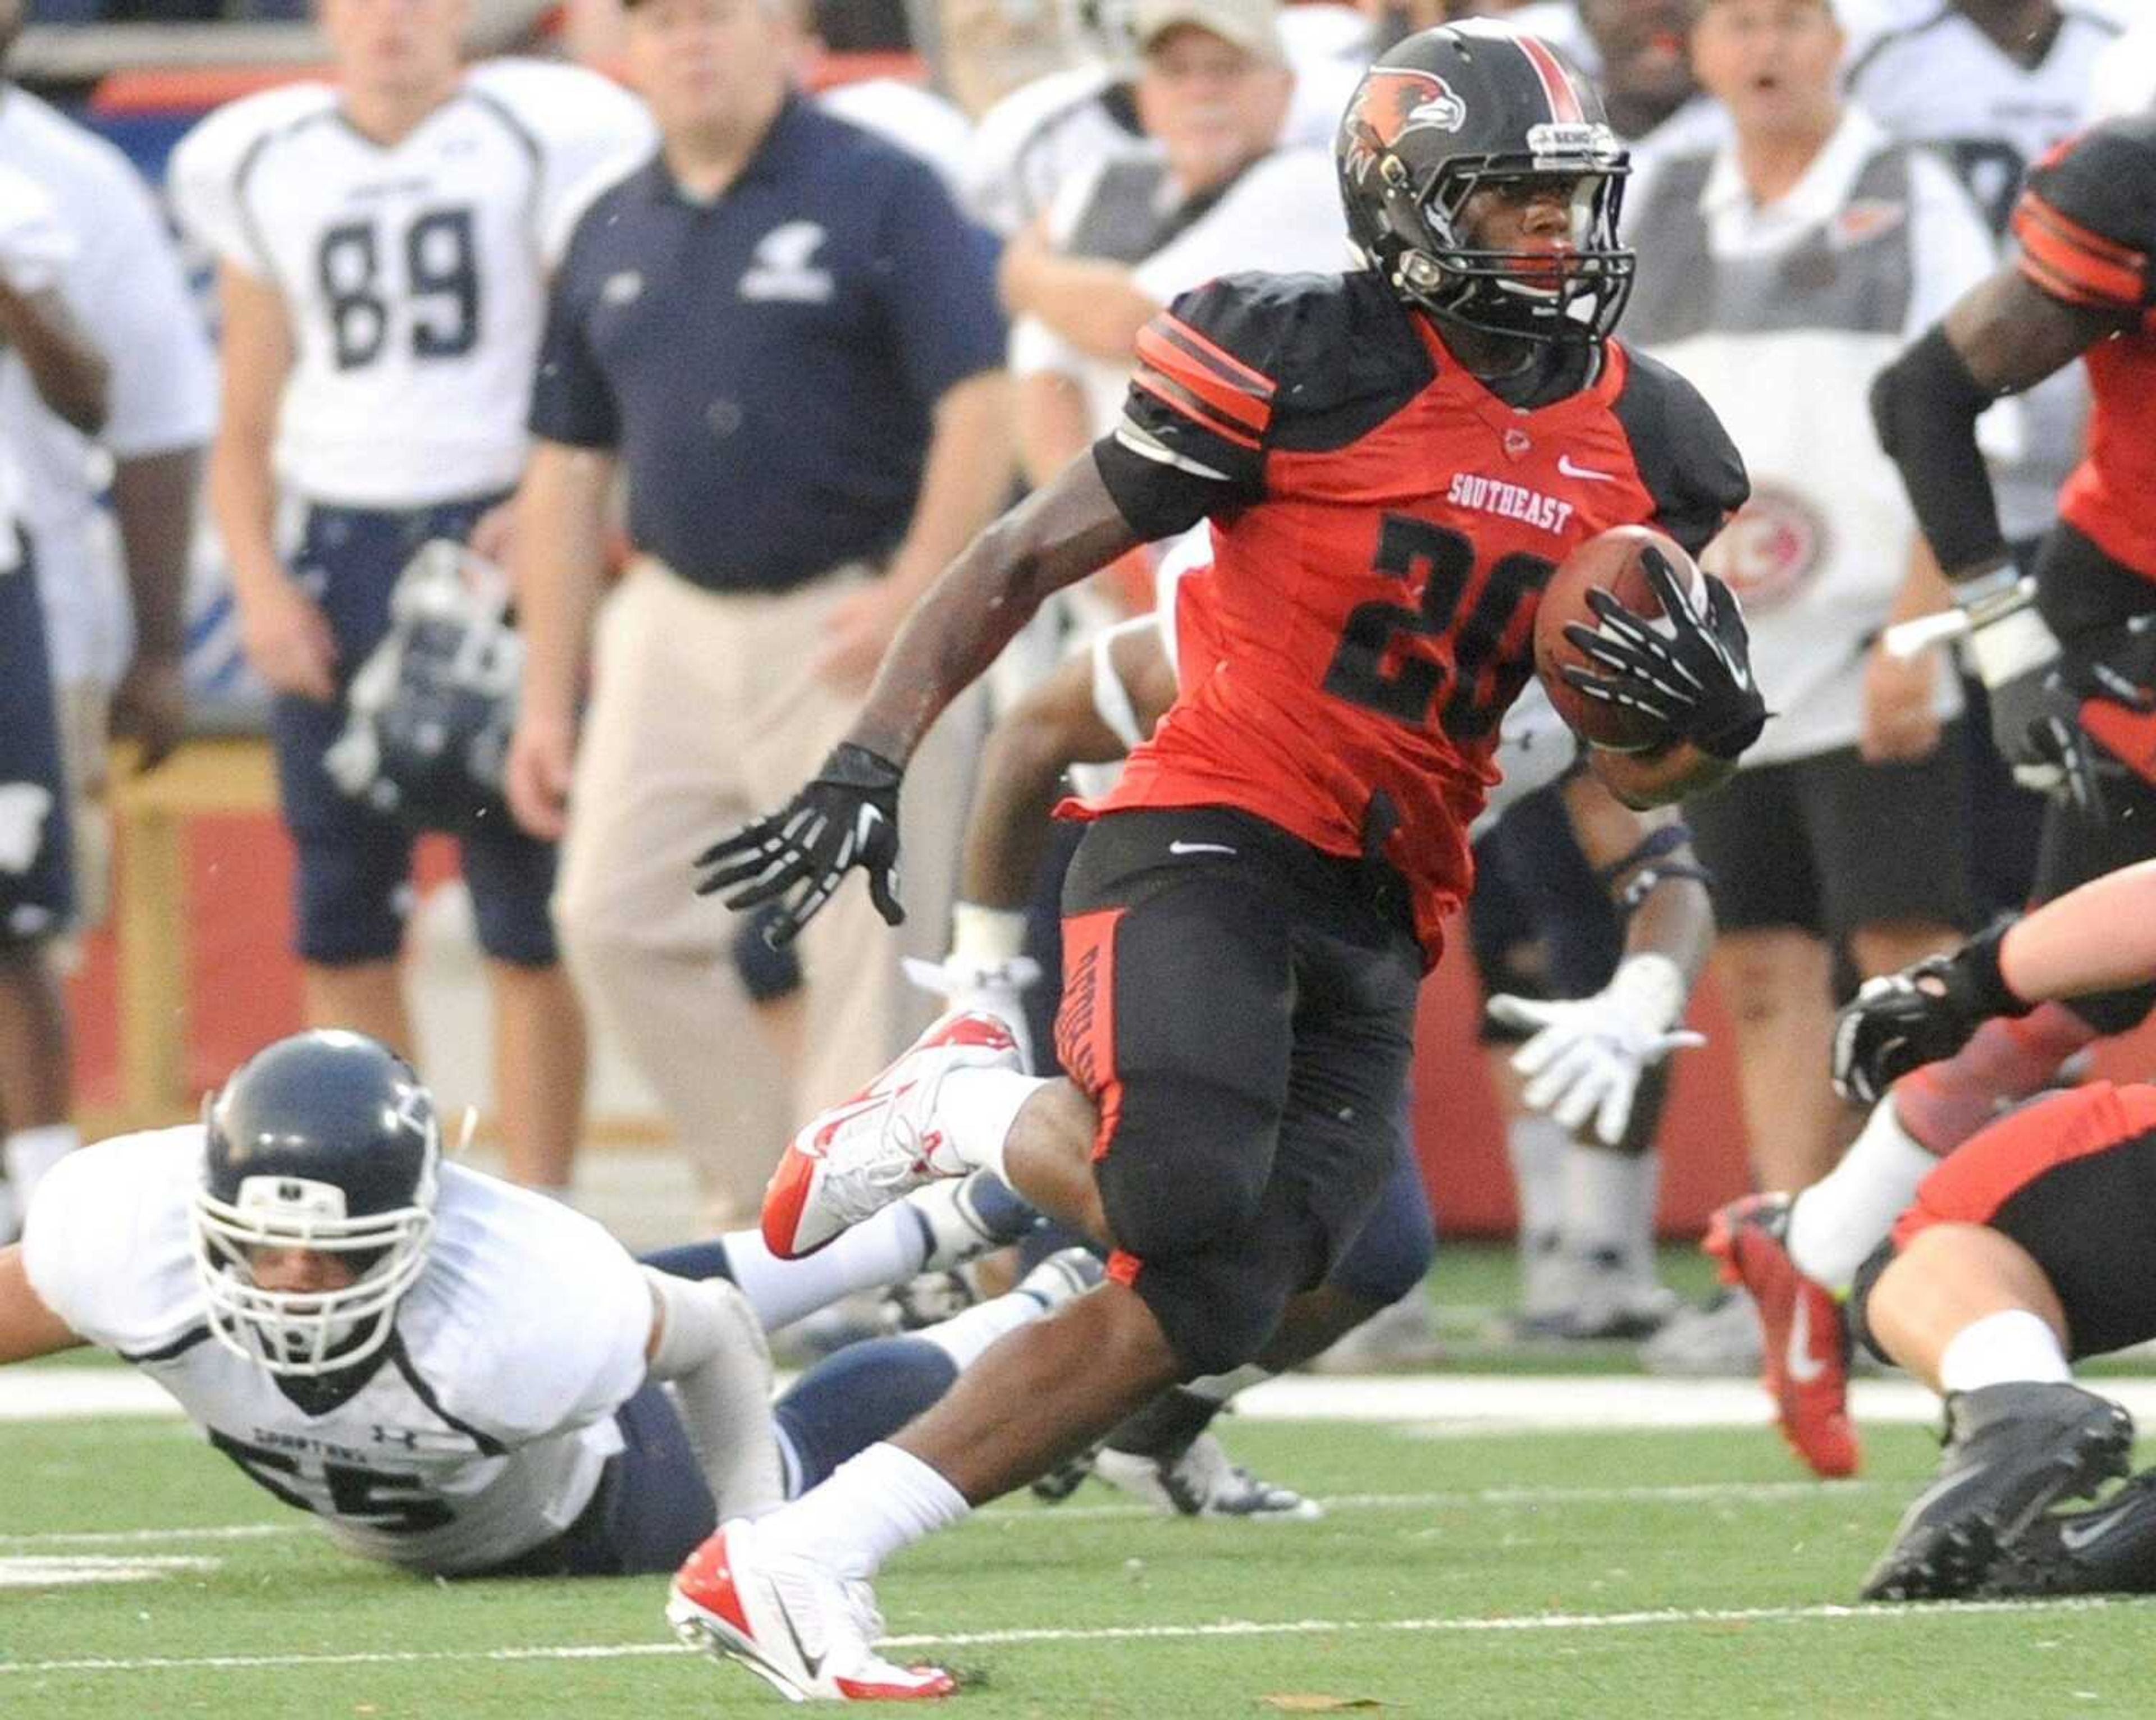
(856, 1158)
(1805, 1336)
(802, 1629)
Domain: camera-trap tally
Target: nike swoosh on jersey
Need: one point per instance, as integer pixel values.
(1199, 848)
(1564, 465)
(1804, 1366)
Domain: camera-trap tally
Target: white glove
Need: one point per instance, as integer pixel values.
(1588, 1054)
(996, 986)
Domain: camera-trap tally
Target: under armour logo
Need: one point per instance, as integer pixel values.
(780, 268)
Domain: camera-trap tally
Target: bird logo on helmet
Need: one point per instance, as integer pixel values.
(1471, 107)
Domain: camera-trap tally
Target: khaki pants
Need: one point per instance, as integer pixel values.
(85, 707)
(704, 715)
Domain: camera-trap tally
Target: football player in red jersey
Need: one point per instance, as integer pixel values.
(2067, 650)
(1393, 462)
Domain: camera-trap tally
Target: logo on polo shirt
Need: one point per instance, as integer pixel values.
(624, 288)
(780, 268)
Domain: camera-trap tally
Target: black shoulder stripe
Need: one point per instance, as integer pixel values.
(165, 1352)
(488, 1445)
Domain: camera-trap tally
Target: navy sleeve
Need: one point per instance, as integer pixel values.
(936, 275)
(2087, 221)
(1192, 441)
(571, 400)
(1686, 459)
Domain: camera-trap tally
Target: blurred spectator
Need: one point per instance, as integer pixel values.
(379, 243)
(1992, 85)
(37, 885)
(1780, 273)
(124, 281)
(783, 336)
(1070, 122)
(1216, 195)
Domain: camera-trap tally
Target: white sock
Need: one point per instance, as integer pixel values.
(2001, 1349)
(28, 1153)
(887, 1248)
(870, 1506)
(1536, 1146)
(1603, 1207)
(964, 1335)
(976, 1107)
(1837, 1223)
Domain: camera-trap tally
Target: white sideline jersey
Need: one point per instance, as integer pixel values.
(125, 286)
(413, 276)
(1942, 81)
(35, 248)
(481, 1433)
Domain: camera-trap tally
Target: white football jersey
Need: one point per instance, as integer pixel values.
(125, 286)
(413, 275)
(1943, 82)
(479, 1435)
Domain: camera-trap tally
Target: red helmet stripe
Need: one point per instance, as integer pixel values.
(1557, 84)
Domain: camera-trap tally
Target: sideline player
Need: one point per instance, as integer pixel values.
(2067, 653)
(1394, 461)
(2029, 1246)
(382, 1339)
(381, 245)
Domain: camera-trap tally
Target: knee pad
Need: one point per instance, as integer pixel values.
(1860, 1299)
(1221, 1305)
(1185, 1171)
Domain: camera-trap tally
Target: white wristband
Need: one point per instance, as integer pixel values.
(986, 935)
(1651, 988)
(2011, 647)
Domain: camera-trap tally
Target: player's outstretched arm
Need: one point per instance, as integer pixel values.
(846, 816)
(2100, 937)
(27, 1328)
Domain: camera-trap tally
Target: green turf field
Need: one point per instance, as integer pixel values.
(1653, 1574)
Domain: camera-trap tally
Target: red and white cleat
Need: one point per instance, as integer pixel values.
(856, 1158)
(805, 1630)
(1806, 1336)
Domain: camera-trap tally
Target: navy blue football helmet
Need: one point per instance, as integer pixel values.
(328, 1141)
(1465, 107)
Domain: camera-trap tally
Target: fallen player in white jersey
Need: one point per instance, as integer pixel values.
(460, 1378)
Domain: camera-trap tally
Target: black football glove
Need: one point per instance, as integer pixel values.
(846, 816)
(1922, 1014)
(1695, 682)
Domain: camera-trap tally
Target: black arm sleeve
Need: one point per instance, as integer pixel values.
(1925, 406)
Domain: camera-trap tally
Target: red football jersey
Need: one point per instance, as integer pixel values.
(2087, 228)
(1384, 526)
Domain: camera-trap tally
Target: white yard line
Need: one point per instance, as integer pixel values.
(1646, 1620)
(70, 1571)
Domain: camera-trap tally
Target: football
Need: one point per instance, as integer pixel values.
(1610, 563)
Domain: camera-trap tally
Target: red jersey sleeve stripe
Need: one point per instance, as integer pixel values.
(1256, 382)
(1160, 353)
(2097, 271)
(1170, 392)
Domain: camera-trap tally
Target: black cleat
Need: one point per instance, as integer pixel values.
(2109, 1548)
(2012, 1452)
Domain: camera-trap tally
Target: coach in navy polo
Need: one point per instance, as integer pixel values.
(783, 336)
